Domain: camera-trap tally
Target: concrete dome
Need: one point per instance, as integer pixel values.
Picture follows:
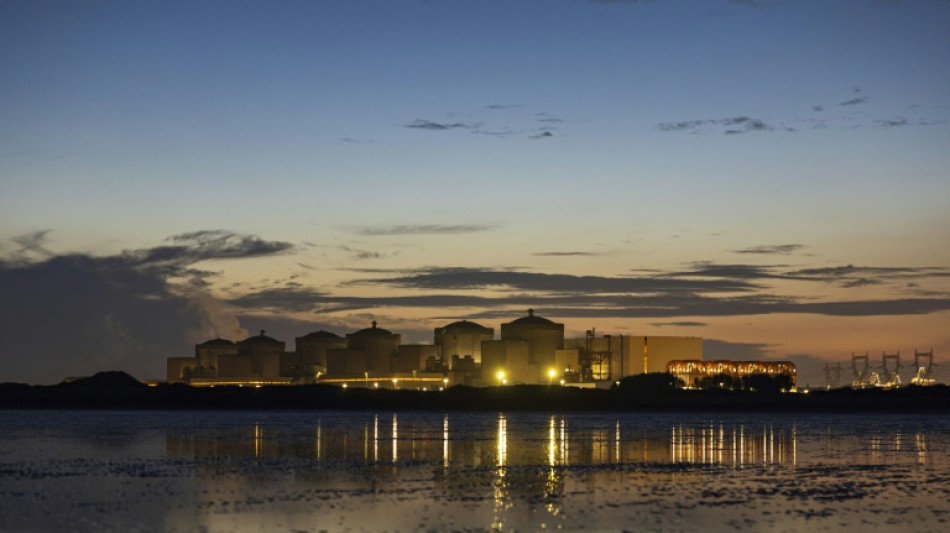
(260, 340)
(216, 342)
(535, 322)
(320, 335)
(463, 325)
(373, 331)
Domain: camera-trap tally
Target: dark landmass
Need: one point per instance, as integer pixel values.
(117, 390)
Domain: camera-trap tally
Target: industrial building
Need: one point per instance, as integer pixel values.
(695, 373)
(531, 350)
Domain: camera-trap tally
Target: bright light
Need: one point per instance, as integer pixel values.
(345, 385)
(500, 375)
(562, 382)
(376, 385)
(552, 373)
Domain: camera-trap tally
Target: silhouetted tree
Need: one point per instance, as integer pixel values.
(650, 383)
(719, 381)
(767, 384)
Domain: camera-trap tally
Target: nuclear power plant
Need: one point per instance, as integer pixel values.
(531, 350)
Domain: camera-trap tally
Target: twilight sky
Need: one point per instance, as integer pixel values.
(770, 175)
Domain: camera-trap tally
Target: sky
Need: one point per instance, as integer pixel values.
(770, 175)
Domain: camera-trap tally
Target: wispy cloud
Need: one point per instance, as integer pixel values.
(360, 254)
(421, 124)
(780, 249)
(423, 229)
(706, 269)
(733, 125)
(33, 243)
(854, 101)
(707, 292)
(476, 278)
(892, 123)
(206, 245)
(680, 324)
(563, 254)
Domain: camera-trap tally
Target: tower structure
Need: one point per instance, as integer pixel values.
(860, 364)
(924, 363)
(891, 378)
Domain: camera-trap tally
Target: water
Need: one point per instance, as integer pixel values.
(365, 471)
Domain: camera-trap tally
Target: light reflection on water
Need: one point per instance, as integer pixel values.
(588, 441)
(365, 470)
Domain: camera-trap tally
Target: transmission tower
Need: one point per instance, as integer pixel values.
(861, 378)
(832, 375)
(924, 371)
(891, 378)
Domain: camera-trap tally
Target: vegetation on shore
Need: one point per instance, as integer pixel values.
(650, 392)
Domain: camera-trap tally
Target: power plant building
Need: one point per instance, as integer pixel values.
(312, 349)
(531, 350)
(462, 339)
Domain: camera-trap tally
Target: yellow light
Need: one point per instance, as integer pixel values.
(500, 375)
(552, 373)
(344, 385)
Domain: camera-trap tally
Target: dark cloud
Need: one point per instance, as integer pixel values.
(473, 278)
(189, 248)
(859, 282)
(436, 126)
(564, 296)
(423, 229)
(32, 243)
(892, 123)
(542, 135)
(680, 324)
(563, 254)
(838, 272)
(782, 249)
(735, 125)
(291, 299)
(672, 307)
(360, 255)
(706, 269)
(854, 101)
(74, 314)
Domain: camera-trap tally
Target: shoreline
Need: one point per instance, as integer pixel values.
(118, 391)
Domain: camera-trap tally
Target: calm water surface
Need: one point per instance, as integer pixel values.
(379, 471)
